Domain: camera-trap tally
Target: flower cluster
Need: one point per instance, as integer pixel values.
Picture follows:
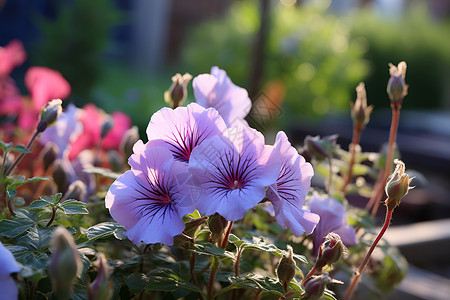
(206, 157)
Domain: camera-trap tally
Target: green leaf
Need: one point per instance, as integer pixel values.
(137, 282)
(14, 227)
(33, 264)
(21, 181)
(101, 230)
(211, 249)
(20, 148)
(5, 146)
(73, 207)
(79, 292)
(10, 194)
(328, 294)
(235, 240)
(170, 284)
(52, 199)
(38, 204)
(16, 250)
(119, 233)
(36, 238)
(19, 201)
(253, 281)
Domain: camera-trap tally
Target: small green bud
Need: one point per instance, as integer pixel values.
(49, 154)
(286, 267)
(65, 264)
(397, 89)
(49, 114)
(177, 92)
(360, 112)
(331, 250)
(76, 190)
(107, 125)
(130, 138)
(101, 288)
(217, 225)
(61, 175)
(397, 185)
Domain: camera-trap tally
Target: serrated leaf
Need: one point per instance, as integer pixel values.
(38, 204)
(15, 227)
(79, 292)
(20, 181)
(235, 240)
(101, 230)
(119, 233)
(20, 149)
(16, 250)
(73, 207)
(52, 199)
(170, 284)
(264, 283)
(36, 238)
(33, 264)
(211, 249)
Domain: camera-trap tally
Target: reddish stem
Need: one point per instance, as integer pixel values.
(355, 141)
(369, 253)
(227, 234)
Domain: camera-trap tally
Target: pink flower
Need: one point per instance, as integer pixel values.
(151, 199)
(289, 192)
(216, 90)
(232, 172)
(122, 123)
(11, 56)
(44, 85)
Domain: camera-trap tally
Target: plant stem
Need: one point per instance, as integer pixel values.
(310, 273)
(330, 176)
(212, 277)
(30, 142)
(236, 263)
(52, 218)
(227, 234)
(355, 142)
(369, 253)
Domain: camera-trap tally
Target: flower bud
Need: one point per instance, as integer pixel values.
(315, 287)
(107, 125)
(177, 92)
(65, 264)
(115, 161)
(49, 114)
(101, 288)
(61, 175)
(76, 190)
(360, 112)
(330, 251)
(217, 225)
(286, 267)
(130, 138)
(321, 148)
(397, 185)
(397, 89)
(49, 154)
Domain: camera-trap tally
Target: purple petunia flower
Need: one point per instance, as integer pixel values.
(151, 199)
(232, 172)
(289, 192)
(332, 219)
(216, 90)
(182, 129)
(8, 265)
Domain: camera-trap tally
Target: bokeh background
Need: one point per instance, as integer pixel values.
(301, 59)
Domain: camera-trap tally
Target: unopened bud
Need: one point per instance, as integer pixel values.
(217, 225)
(330, 251)
(177, 92)
(397, 185)
(49, 154)
(61, 175)
(49, 114)
(107, 125)
(76, 190)
(321, 148)
(115, 161)
(315, 287)
(397, 89)
(65, 264)
(101, 288)
(130, 138)
(360, 112)
(286, 267)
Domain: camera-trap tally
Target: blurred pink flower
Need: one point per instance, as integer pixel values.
(216, 90)
(11, 56)
(44, 85)
(10, 98)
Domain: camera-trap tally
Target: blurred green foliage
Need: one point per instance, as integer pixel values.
(310, 51)
(75, 40)
(415, 38)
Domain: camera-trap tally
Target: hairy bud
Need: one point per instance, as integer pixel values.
(65, 264)
(101, 288)
(107, 125)
(130, 138)
(49, 154)
(217, 225)
(286, 267)
(397, 185)
(315, 287)
(177, 92)
(49, 114)
(76, 190)
(360, 112)
(330, 251)
(397, 89)
(61, 175)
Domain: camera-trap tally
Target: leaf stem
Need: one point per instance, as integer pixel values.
(369, 253)
(52, 217)
(20, 157)
(227, 234)
(212, 277)
(310, 273)
(355, 142)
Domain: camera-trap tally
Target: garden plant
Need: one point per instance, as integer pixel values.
(203, 207)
